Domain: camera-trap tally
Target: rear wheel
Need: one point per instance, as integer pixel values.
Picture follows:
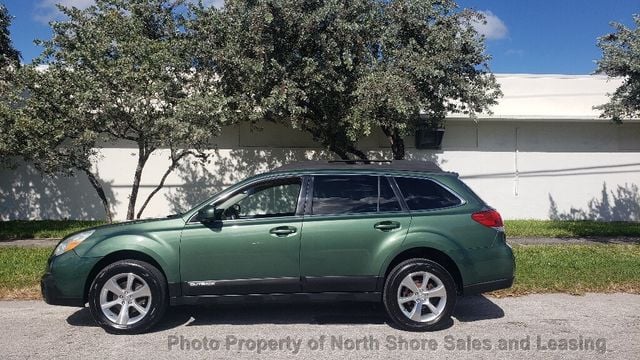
(419, 295)
(128, 297)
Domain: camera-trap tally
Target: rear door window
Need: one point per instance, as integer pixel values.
(352, 194)
(424, 194)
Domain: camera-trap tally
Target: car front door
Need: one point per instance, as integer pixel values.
(252, 246)
(353, 221)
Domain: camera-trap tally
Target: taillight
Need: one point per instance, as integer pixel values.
(489, 218)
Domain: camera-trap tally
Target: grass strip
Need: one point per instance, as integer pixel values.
(20, 271)
(575, 269)
(571, 229)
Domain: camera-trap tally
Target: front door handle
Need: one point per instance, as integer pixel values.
(281, 231)
(387, 225)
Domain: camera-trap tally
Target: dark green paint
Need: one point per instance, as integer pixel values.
(321, 245)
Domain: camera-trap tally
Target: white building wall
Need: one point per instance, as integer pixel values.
(554, 159)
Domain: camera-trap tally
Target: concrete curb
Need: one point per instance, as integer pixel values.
(29, 243)
(566, 241)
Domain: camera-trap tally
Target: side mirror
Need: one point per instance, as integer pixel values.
(208, 213)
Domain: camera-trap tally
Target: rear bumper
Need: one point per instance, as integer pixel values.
(487, 286)
(53, 296)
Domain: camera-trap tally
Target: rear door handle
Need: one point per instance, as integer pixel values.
(281, 231)
(387, 225)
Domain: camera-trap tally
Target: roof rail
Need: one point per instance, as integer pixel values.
(401, 165)
(358, 161)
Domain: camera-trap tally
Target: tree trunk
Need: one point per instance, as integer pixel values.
(175, 161)
(100, 190)
(344, 153)
(396, 141)
(357, 152)
(143, 156)
(340, 152)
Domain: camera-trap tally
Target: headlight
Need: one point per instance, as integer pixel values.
(71, 242)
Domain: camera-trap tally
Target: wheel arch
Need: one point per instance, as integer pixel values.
(429, 253)
(117, 256)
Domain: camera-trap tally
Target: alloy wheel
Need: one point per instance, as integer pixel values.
(125, 299)
(421, 296)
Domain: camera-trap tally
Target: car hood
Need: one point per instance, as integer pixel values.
(137, 226)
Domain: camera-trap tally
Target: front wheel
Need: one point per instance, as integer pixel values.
(419, 295)
(128, 297)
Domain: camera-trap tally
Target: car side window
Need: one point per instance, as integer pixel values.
(352, 194)
(271, 199)
(424, 194)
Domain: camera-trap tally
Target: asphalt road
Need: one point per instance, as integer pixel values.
(594, 326)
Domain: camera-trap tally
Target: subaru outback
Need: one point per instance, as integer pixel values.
(404, 233)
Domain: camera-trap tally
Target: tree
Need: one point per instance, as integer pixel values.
(430, 61)
(53, 135)
(9, 56)
(121, 71)
(292, 62)
(9, 98)
(342, 69)
(621, 58)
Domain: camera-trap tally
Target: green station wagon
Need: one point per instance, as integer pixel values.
(404, 232)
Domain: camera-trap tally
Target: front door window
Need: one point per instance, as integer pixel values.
(272, 199)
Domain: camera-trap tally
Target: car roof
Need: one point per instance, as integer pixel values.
(375, 165)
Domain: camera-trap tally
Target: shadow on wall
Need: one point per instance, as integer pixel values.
(27, 194)
(225, 169)
(621, 205)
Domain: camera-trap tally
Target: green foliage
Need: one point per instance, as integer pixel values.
(430, 61)
(118, 71)
(294, 62)
(135, 70)
(9, 65)
(54, 135)
(621, 58)
(157, 75)
(8, 54)
(341, 70)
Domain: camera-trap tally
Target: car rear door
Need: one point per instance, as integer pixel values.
(352, 223)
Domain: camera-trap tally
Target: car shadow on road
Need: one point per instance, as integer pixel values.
(476, 308)
(472, 308)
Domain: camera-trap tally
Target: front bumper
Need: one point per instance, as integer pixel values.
(64, 282)
(53, 296)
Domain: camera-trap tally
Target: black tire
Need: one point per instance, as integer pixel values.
(157, 302)
(391, 291)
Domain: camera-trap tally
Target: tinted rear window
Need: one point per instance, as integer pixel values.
(423, 194)
(349, 194)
